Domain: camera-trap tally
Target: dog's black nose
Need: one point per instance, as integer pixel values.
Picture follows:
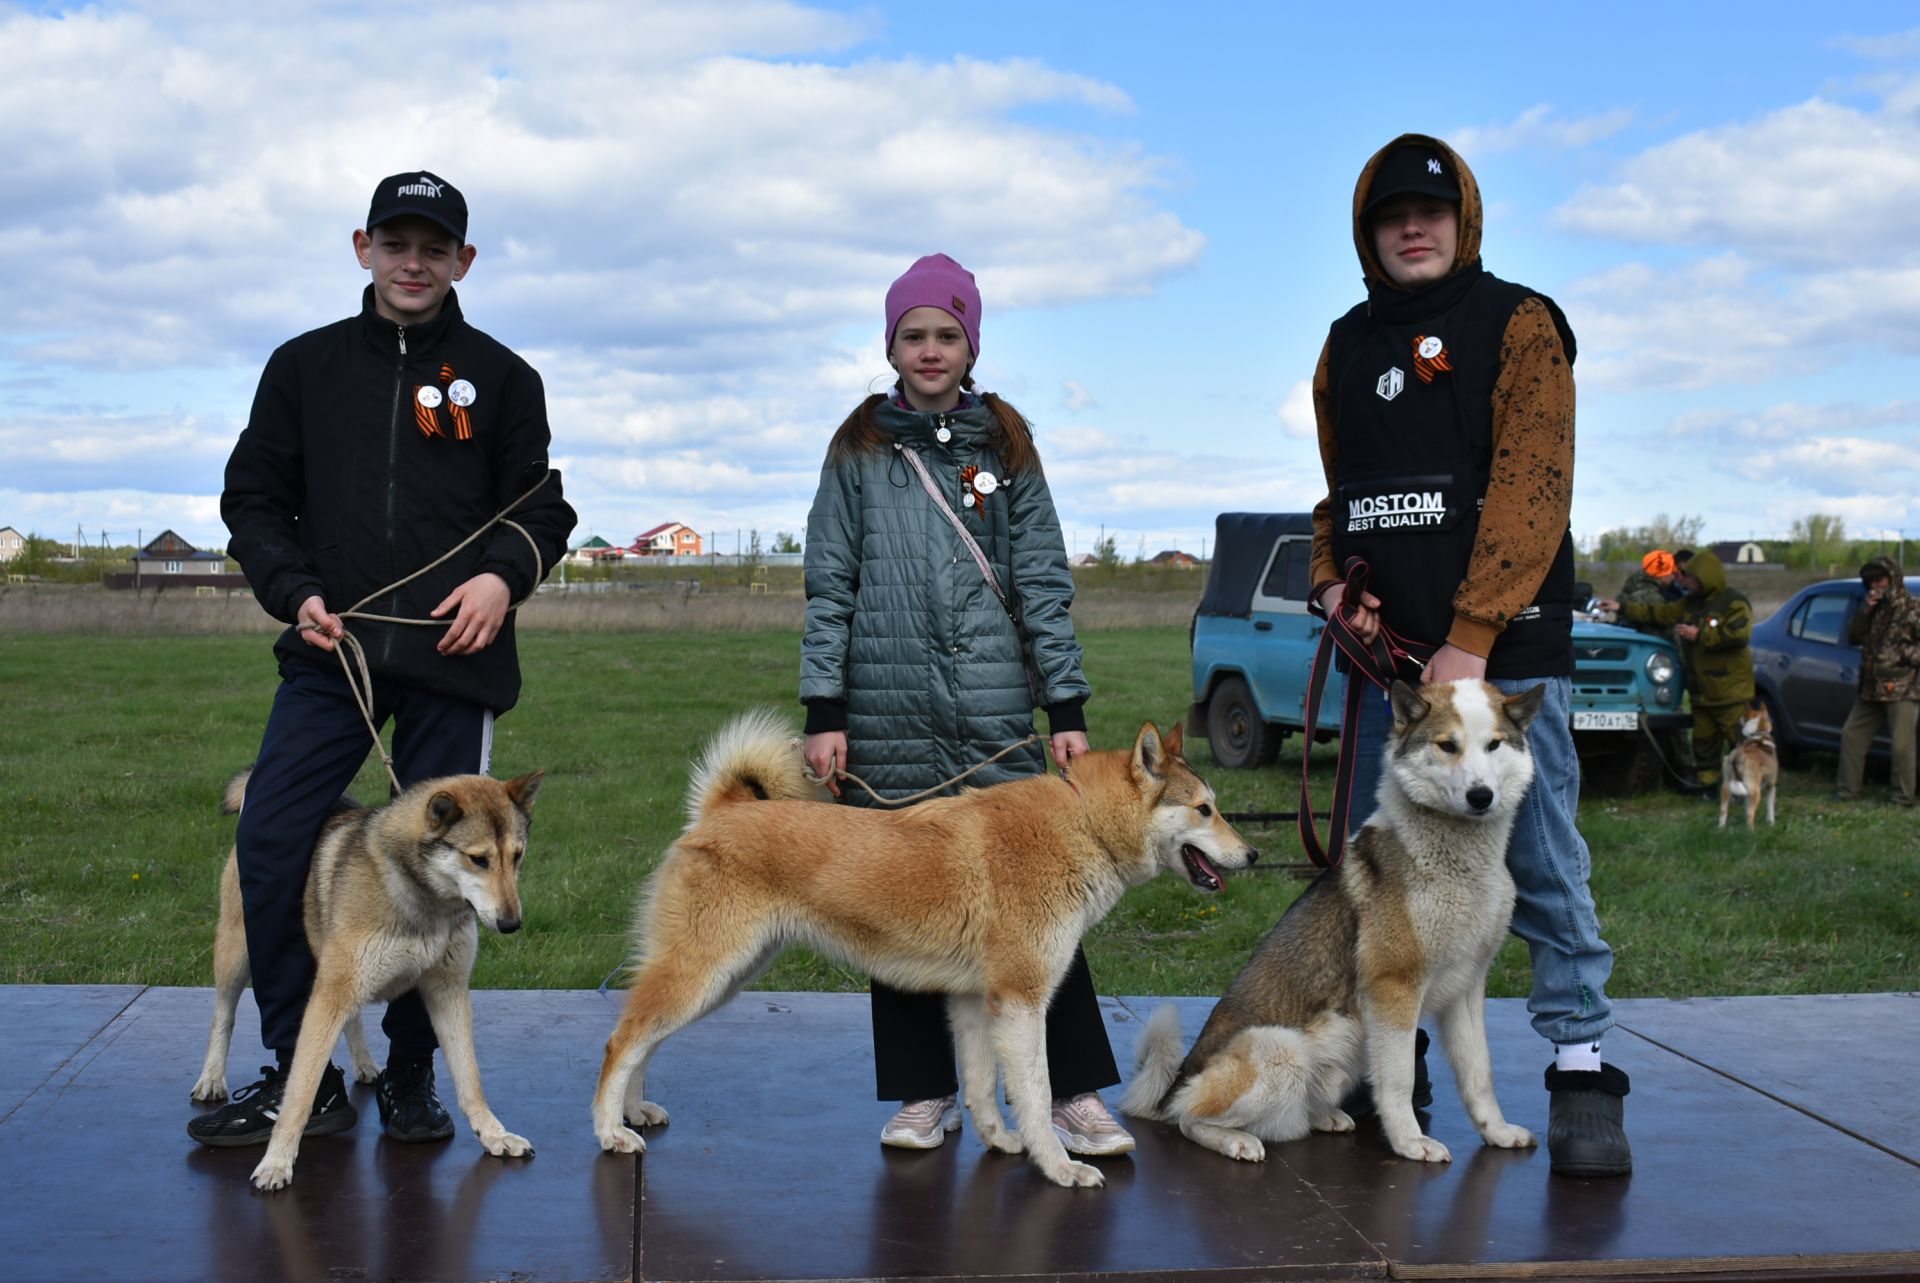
(507, 926)
(1253, 856)
(1479, 797)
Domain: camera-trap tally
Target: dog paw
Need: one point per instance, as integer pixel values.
(646, 1114)
(365, 1071)
(1337, 1120)
(507, 1145)
(1078, 1175)
(1509, 1136)
(1244, 1146)
(210, 1089)
(1424, 1149)
(273, 1173)
(998, 1136)
(623, 1140)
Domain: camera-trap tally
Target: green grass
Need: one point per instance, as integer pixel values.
(116, 749)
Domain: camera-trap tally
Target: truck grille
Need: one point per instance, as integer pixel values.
(1601, 652)
(1603, 681)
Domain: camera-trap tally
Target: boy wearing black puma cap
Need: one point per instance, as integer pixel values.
(375, 445)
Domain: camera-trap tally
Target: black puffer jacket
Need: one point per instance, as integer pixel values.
(345, 481)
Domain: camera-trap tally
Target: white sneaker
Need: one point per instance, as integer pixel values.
(1086, 1128)
(924, 1124)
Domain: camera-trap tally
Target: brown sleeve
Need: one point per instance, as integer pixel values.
(1321, 568)
(1530, 491)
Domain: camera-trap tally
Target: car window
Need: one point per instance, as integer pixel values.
(1823, 618)
(1287, 576)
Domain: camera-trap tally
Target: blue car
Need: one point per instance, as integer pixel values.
(1253, 644)
(1805, 669)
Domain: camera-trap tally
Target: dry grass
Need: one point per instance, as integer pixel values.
(53, 608)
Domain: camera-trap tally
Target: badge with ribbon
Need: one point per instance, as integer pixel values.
(976, 485)
(1430, 357)
(452, 393)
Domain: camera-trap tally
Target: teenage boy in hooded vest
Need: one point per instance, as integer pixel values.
(1445, 410)
(375, 445)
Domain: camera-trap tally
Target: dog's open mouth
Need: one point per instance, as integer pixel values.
(1199, 872)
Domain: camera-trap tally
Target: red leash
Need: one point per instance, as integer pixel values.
(1377, 662)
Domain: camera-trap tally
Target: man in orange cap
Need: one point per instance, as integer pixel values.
(1653, 585)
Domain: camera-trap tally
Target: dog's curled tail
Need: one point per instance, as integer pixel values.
(754, 757)
(236, 793)
(1156, 1062)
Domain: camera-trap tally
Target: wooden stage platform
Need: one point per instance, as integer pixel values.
(1774, 1138)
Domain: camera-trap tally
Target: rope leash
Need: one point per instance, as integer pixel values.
(353, 656)
(839, 773)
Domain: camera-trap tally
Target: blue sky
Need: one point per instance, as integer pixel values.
(688, 213)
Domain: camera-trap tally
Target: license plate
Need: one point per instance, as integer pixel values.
(1593, 720)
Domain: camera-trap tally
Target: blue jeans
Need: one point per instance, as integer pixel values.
(1554, 911)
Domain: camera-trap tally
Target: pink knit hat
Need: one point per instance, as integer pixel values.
(936, 281)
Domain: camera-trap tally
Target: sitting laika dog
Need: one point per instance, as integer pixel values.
(981, 896)
(1404, 927)
(1752, 765)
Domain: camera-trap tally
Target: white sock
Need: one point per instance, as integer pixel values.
(1577, 1057)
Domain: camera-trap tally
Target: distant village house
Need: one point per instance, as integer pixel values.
(672, 539)
(12, 543)
(168, 561)
(1177, 559)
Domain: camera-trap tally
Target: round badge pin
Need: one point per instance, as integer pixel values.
(967, 499)
(986, 483)
(1430, 347)
(460, 392)
(943, 435)
(429, 396)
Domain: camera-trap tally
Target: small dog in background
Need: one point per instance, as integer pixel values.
(1752, 765)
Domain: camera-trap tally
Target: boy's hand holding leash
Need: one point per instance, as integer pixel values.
(318, 628)
(480, 607)
(1365, 620)
(1450, 664)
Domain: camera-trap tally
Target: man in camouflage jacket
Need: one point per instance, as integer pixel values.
(1887, 630)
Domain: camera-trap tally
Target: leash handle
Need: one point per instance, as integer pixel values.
(1376, 661)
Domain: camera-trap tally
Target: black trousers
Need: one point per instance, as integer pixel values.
(314, 745)
(913, 1045)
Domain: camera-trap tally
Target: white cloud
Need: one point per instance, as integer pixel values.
(1535, 128)
(682, 211)
(1296, 411)
(1074, 397)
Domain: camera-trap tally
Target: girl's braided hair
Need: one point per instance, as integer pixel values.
(1011, 439)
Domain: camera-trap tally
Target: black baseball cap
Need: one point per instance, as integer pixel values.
(418, 192)
(1417, 167)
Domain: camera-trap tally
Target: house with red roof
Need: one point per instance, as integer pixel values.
(670, 539)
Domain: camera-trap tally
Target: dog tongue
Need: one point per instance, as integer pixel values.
(1197, 863)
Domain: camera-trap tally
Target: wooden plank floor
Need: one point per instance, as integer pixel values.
(1773, 1138)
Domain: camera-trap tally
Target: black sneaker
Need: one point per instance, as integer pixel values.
(249, 1117)
(1586, 1122)
(410, 1110)
(1359, 1101)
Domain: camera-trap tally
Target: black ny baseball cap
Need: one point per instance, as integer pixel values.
(418, 192)
(1418, 168)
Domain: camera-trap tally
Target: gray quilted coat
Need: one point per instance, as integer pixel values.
(903, 629)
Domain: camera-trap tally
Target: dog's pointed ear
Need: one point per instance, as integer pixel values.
(1149, 754)
(1176, 740)
(1409, 705)
(442, 811)
(1521, 709)
(525, 789)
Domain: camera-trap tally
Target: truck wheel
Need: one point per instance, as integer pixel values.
(1615, 770)
(1235, 731)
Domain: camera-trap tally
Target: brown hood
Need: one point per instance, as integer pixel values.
(1886, 564)
(1467, 248)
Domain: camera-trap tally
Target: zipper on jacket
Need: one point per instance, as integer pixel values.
(393, 463)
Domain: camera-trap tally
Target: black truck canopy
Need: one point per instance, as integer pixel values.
(1242, 542)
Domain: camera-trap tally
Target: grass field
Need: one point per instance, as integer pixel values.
(117, 746)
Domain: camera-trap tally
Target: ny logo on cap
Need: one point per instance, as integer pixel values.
(1433, 165)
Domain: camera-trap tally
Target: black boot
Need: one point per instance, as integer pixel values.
(1359, 1101)
(1586, 1124)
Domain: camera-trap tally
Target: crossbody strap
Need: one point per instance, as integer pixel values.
(966, 536)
